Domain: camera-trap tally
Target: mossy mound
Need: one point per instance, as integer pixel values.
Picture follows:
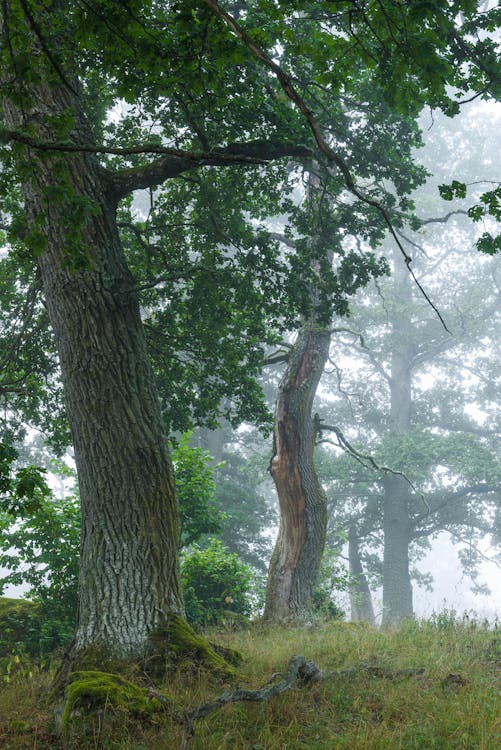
(230, 655)
(182, 646)
(90, 693)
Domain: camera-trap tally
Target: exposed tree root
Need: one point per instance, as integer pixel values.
(92, 692)
(298, 670)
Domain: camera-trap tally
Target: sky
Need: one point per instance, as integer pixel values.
(452, 589)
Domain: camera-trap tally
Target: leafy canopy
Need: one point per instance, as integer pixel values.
(167, 94)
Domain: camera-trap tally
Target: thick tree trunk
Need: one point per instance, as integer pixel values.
(397, 587)
(360, 595)
(129, 579)
(303, 506)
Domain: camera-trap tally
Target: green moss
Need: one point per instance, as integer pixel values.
(231, 655)
(90, 691)
(180, 643)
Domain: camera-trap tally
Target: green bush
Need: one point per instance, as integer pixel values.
(215, 583)
(19, 626)
(40, 542)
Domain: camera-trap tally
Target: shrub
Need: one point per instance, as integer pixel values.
(40, 542)
(215, 583)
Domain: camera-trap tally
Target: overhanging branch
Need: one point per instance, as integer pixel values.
(253, 153)
(287, 86)
(173, 162)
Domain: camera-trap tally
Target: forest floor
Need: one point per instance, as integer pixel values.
(451, 702)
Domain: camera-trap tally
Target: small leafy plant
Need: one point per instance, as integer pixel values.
(216, 583)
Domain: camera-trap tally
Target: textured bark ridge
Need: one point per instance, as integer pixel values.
(129, 580)
(303, 507)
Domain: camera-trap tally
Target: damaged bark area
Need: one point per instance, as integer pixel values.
(303, 506)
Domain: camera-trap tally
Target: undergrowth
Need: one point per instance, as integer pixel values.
(453, 705)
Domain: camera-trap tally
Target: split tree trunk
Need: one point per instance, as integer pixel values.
(129, 577)
(302, 502)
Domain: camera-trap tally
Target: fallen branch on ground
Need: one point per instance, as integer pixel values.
(298, 670)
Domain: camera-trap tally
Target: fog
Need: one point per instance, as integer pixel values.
(445, 258)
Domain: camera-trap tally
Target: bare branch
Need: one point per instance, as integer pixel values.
(366, 350)
(299, 671)
(363, 457)
(443, 219)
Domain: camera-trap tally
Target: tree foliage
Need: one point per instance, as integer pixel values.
(216, 583)
(40, 534)
(208, 270)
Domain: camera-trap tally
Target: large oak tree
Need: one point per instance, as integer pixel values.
(194, 91)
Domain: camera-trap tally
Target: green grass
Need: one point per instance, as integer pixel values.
(431, 711)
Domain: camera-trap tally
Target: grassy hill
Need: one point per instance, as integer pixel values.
(370, 704)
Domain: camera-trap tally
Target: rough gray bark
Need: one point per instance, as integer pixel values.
(360, 595)
(129, 579)
(397, 588)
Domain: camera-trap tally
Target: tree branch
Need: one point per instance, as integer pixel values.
(366, 350)
(173, 162)
(253, 153)
(442, 219)
(451, 497)
(471, 55)
(287, 86)
(361, 457)
(299, 670)
(276, 358)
